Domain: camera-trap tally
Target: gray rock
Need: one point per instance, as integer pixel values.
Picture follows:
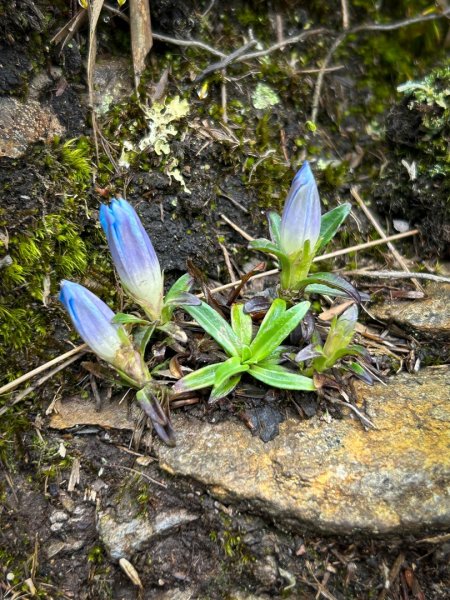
(125, 537)
(123, 532)
(335, 477)
(167, 521)
(427, 319)
(113, 82)
(23, 123)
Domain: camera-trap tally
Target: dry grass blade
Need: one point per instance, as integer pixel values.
(95, 8)
(131, 572)
(141, 36)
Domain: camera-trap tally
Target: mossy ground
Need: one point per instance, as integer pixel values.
(49, 227)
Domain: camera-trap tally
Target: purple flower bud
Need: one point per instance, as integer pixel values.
(133, 255)
(301, 215)
(91, 317)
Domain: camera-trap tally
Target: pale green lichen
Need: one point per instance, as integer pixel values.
(264, 97)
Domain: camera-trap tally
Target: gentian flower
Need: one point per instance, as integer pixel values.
(92, 319)
(299, 234)
(300, 221)
(133, 255)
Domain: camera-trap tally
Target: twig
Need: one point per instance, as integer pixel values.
(233, 201)
(368, 27)
(188, 43)
(398, 275)
(397, 256)
(227, 261)
(223, 96)
(13, 384)
(38, 383)
(140, 473)
(393, 574)
(280, 45)
(141, 36)
(244, 234)
(345, 15)
(227, 60)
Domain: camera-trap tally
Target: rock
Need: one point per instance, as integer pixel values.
(123, 532)
(169, 520)
(112, 82)
(335, 477)
(427, 319)
(76, 411)
(23, 123)
(122, 538)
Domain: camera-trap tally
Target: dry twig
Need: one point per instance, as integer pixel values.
(398, 275)
(397, 256)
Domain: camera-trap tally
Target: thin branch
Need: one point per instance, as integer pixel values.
(222, 64)
(398, 275)
(397, 256)
(188, 43)
(368, 27)
(285, 42)
(38, 383)
(13, 384)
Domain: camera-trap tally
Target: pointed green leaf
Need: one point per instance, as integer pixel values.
(360, 372)
(274, 227)
(276, 309)
(182, 298)
(279, 377)
(227, 369)
(276, 330)
(183, 284)
(241, 323)
(197, 380)
(216, 326)
(124, 319)
(142, 336)
(226, 388)
(331, 221)
(332, 281)
(268, 247)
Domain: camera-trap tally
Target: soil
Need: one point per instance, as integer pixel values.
(226, 551)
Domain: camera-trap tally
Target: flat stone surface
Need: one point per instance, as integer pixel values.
(124, 532)
(428, 318)
(335, 477)
(23, 123)
(75, 411)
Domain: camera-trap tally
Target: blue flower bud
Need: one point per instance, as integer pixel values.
(92, 318)
(301, 215)
(133, 255)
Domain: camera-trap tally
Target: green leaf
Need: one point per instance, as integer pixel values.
(182, 298)
(227, 369)
(274, 227)
(277, 329)
(331, 221)
(174, 331)
(332, 282)
(276, 309)
(142, 336)
(268, 247)
(183, 284)
(360, 372)
(124, 319)
(279, 377)
(241, 324)
(197, 380)
(226, 388)
(216, 326)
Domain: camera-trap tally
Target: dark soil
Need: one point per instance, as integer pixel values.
(226, 551)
